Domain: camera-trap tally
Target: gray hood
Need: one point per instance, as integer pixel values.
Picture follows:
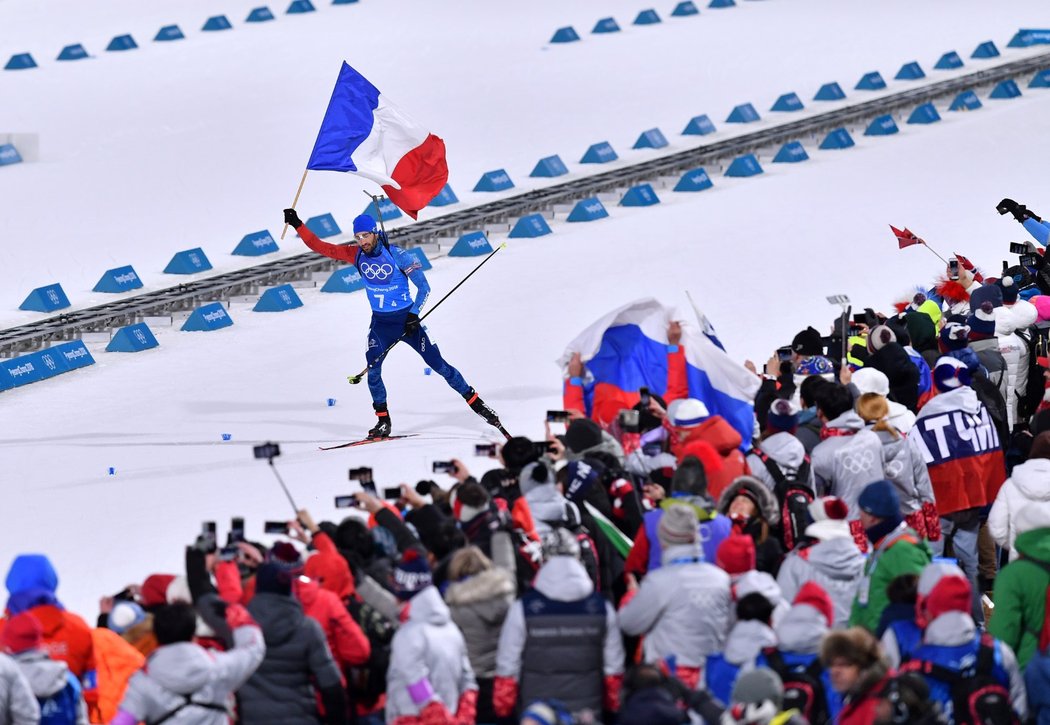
(608, 445)
(548, 505)
(801, 629)
(182, 668)
(46, 676)
(837, 559)
(785, 449)
(746, 640)
(950, 629)
(563, 579)
(1032, 479)
(428, 607)
(848, 421)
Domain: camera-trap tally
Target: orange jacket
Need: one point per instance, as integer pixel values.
(116, 661)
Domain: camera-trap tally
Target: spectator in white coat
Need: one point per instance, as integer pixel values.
(870, 380)
(1027, 488)
(18, 706)
(683, 607)
(779, 449)
(834, 561)
(1014, 349)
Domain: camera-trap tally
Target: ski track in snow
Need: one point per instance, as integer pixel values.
(201, 141)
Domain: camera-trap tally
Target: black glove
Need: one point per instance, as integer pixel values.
(292, 219)
(1006, 206)
(411, 324)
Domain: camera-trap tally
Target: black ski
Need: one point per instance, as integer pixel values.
(367, 441)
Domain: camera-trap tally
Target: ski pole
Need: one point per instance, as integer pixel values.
(355, 379)
(379, 214)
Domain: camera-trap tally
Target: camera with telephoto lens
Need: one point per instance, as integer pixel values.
(267, 450)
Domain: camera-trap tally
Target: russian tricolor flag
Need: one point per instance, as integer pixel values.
(627, 349)
(365, 133)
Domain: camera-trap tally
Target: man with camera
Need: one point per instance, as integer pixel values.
(386, 271)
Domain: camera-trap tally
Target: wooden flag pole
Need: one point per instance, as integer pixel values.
(296, 199)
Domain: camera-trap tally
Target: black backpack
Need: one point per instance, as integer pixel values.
(803, 687)
(793, 497)
(367, 683)
(978, 698)
(990, 397)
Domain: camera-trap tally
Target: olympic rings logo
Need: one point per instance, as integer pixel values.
(376, 271)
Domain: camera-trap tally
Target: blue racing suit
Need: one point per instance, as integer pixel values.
(386, 273)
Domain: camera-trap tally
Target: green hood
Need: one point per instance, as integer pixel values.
(1034, 544)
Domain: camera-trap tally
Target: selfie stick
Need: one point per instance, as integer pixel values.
(285, 488)
(355, 379)
(843, 302)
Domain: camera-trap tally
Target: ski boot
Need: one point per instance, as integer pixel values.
(382, 426)
(481, 408)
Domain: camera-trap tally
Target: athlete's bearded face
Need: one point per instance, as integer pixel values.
(367, 241)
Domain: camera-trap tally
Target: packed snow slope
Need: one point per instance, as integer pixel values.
(758, 255)
(199, 141)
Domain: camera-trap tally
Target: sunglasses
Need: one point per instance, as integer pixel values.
(362, 235)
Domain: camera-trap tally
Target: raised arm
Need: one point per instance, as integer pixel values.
(342, 252)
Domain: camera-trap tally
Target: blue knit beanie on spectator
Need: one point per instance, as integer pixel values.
(411, 575)
(880, 500)
(364, 223)
(783, 416)
(950, 374)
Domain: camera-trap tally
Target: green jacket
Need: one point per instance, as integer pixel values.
(1020, 596)
(907, 554)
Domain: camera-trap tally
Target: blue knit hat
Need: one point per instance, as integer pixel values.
(364, 223)
(950, 374)
(411, 575)
(880, 500)
(982, 321)
(124, 616)
(783, 416)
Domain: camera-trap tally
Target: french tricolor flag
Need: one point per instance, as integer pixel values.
(365, 133)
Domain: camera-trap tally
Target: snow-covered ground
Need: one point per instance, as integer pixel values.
(758, 255)
(200, 141)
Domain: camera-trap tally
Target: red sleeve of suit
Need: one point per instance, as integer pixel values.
(572, 397)
(341, 252)
(677, 381)
(349, 644)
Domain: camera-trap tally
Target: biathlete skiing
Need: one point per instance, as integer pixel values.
(386, 271)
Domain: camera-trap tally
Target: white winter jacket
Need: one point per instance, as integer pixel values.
(836, 564)
(1015, 351)
(786, 451)
(427, 646)
(1029, 486)
(18, 706)
(682, 608)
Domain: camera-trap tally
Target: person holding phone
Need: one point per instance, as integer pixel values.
(386, 271)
